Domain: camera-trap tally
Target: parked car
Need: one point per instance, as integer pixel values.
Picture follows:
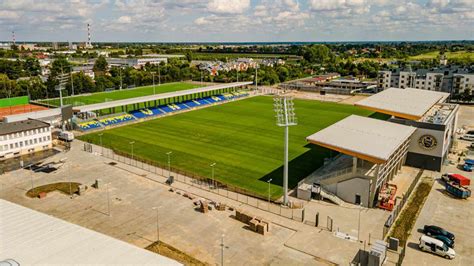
(66, 136)
(468, 135)
(468, 165)
(432, 230)
(436, 246)
(445, 240)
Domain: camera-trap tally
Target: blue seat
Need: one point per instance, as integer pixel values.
(166, 109)
(190, 104)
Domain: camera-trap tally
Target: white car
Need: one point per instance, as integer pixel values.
(469, 135)
(429, 244)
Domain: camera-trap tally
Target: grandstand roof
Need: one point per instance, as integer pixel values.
(30, 237)
(405, 103)
(33, 115)
(118, 103)
(366, 138)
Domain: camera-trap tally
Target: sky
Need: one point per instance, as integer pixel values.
(237, 20)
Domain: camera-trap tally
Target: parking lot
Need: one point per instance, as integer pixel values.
(133, 193)
(455, 215)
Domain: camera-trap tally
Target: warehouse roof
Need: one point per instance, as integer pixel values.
(365, 138)
(20, 126)
(405, 103)
(30, 238)
(155, 97)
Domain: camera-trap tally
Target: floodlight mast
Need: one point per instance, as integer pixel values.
(62, 78)
(286, 117)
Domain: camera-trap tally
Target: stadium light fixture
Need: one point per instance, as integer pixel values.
(286, 117)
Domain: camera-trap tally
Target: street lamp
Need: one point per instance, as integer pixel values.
(101, 147)
(285, 114)
(108, 199)
(222, 250)
(169, 163)
(157, 226)
(153, 74)
(269, 182)
(358, 225)
(212, 174)
(131, 144)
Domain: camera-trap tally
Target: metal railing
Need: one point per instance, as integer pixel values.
(203, 183)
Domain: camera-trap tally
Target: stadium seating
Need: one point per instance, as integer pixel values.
(116, 119)
(84, 126)
(165, 109)
(146, 112)
(210, 100)
(191, 104)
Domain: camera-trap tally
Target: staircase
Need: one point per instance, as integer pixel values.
(329, 196)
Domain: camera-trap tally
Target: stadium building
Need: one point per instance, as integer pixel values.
(419, 133)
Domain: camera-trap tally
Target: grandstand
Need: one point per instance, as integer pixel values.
(177, 105)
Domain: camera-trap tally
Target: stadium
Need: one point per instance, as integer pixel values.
(228, 133)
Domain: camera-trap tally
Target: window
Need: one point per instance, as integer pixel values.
(16, 145)
(11, 145)
(21, 143)
(5, 147)
(49, 137)
(36, 141)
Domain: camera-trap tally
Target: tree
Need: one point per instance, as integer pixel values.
(316, 53)
(189, 56)
(100, 65)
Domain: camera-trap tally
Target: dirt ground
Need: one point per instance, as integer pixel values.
(20, 109)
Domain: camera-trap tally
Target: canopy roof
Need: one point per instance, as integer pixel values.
(365, 138)
(155, 97)
(405, 103)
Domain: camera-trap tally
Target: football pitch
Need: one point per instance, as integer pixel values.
(241, 137)
(121, 94)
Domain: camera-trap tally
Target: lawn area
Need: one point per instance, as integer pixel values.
(122, 94)
(241, 137)
(407, 218)
(449, 55)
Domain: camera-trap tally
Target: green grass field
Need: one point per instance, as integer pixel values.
(121, 94)
(449, 55)
(240, 137)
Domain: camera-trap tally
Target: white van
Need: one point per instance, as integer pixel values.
(436, 246)
(66, 136)
(468, 135)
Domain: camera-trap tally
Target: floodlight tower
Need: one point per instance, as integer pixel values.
(13, 38)
(285, 114)
(62, 79)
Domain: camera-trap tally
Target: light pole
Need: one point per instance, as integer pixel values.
(285, 114)
(201, 77)
(169, 163)
(212, 174)
(358, 225)
(101, 147)
(159, 76)
(157, 226)
(120, 70)
(256, 78)
(153, 73)
(108, 199)
(222, 250)
(131, 144)
(269, 182)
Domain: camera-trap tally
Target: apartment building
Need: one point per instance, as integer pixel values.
(451, 79)
(23, 137)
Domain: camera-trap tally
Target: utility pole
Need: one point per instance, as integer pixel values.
(131, 144)
(108, 200)
(159, 76)
(101, 147)
(72, 84)
(284, 108)
(256, 78)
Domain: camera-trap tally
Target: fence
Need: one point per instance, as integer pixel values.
(203, 183)
(400, 204)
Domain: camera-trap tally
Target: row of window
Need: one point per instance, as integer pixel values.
(25, 133)
(25, 143)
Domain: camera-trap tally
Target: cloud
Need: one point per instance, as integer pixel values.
(228, 6)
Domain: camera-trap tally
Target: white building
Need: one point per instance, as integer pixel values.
(446, 79)
(23, 137)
